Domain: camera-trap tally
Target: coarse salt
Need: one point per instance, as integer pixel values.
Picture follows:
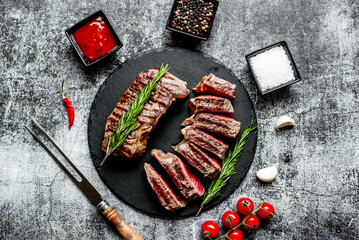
(272, 69)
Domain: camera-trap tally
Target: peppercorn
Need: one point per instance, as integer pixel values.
(193, 16)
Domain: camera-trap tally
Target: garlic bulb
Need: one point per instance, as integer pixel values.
(267, 174)
(284, 121)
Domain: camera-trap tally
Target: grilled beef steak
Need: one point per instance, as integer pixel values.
(215, 85)
(189, 186)
(205, 141)
(165, 195)
(214, 123)
(208, 166)
(210, 103)
(167, 89)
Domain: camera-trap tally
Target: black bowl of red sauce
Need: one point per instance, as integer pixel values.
(94, 38)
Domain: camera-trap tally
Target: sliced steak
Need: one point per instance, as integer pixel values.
(208, 166)
(210, 103)
(167, 89)
(205, 141)
(223, 125)
(189, 186)
(136, 142)
(215, 85)
(165, 195)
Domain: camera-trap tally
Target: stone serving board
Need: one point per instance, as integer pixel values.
(126, 177)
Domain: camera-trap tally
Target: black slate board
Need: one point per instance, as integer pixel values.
(126, 178)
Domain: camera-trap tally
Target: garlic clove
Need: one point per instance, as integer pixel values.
(267, 174)
(284, 121)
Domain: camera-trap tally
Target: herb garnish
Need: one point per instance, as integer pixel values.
(128, 121)
(228, 168)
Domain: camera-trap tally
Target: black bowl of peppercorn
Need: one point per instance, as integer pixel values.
(193, 17)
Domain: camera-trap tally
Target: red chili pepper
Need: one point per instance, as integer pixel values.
(69, 108)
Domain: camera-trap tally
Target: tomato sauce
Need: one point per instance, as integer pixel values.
(95, 39)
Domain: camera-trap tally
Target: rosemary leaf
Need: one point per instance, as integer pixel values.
(228, 168)
(128, 121)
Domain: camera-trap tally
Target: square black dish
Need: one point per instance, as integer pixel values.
(111, 42)
(273, 67)
(193, 17)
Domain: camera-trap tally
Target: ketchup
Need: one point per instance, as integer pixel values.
(95, 39)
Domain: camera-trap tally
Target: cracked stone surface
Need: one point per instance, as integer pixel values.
(316, 193)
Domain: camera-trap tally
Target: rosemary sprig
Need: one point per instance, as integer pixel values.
(228, 168)
(128, 121)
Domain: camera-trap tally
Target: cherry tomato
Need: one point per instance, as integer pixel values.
(245, 206)
(235, 235)
(251, 224)
(210, 229)
(266, 212)
(230, 219)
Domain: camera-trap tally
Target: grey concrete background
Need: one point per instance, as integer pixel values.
(317, 188)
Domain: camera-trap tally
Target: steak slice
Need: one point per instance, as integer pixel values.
(223, 125)
(215, 85)
(210, 103)
(167, 89)
(208, 166)
(165, 195)
(189, 186)
(205, 141)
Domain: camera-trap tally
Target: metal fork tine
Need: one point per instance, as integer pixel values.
(58, 148)
(85, 186)
(125, 230)
(51, 154)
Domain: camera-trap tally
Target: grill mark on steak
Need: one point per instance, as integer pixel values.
(219, 124)
(215, 85)
(205, 141)
(189, 186)
(165, 195)
(174, 85)
(208, 166)
(210, 103)
(167, 89)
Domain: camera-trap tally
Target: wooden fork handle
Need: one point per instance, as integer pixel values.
(126, 231)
